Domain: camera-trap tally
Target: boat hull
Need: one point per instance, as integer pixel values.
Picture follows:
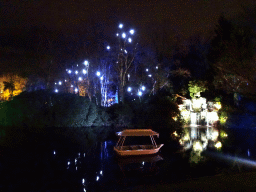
(135, 150)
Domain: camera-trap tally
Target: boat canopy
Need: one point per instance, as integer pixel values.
(137, 132)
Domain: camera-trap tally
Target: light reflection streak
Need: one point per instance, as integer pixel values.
(234, 159)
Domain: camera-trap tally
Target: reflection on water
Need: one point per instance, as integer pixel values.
(139, 164)
(65, 167)
(199, 138)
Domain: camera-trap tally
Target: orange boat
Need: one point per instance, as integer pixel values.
(136, 149)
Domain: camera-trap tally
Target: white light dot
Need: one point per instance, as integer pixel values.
(108, 47)
(139, 93)
(121, 25)
(84, 71)
(69, 71)
(146, 69)
(117, 34)
(98, 73)
(150, 75)
(56, 91)
(129, 89)
(80, 79)
(132, 31)
(101, 78)
(60, 83)
(129, 40)
(97, 178)
(101, 172)
(143, 88)
(71, 85)
(76, 72)
(76, 89)
(123, 35)
(86, 62)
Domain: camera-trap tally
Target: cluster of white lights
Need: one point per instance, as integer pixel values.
(84, 71)
(124, 35)
(140, 91)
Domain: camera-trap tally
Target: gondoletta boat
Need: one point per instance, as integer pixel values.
(125, 148)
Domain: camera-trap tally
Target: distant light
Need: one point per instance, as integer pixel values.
(98, 73)
(108, 47)
(69, 71)
(132, 31)
(56, 91)
(143, 88)
(125, 51)
(120, 25)
(143, 162)
(84, 71)
(150, 75)
(60, 83)
(54, 152)
(139, 93)
(129, 40)
(146, 69)
(101, 172)
(123, 35)
(77, 65)
(218, 145)
(101, 78)
(97, 178)
(129, 89)
(76, 89)
(86, 62)
(76, 72)
(83, 181)
(128, 75)
(65, 80)
(156, 67)
(117, 34)
(80, 79)
(55, 83)
(71, 85)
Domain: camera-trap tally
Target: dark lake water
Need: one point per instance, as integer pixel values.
(62, 160)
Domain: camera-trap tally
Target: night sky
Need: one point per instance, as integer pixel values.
(79, 21)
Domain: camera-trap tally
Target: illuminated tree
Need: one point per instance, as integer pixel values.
(195, 87)
(11, 85)
(126, 51)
